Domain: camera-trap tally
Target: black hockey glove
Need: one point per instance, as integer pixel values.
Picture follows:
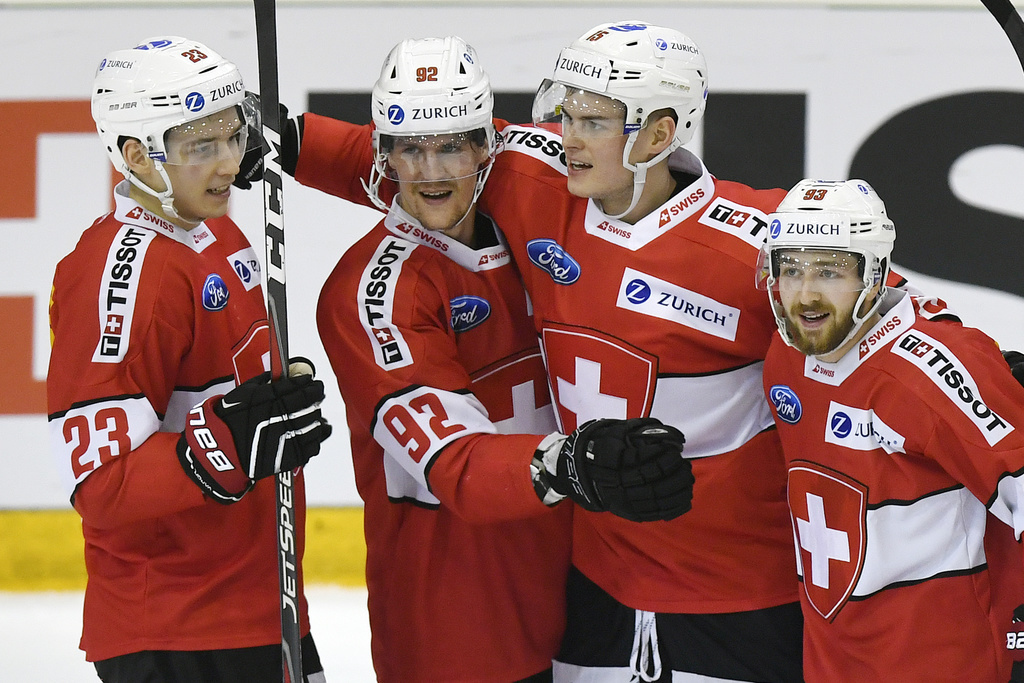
(250, 168)
(1015, 359)
(631, 468)
(256, 430)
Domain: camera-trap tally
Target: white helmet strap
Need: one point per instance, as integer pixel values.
(166, 198)
(639, 169)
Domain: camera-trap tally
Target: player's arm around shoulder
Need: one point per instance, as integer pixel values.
(335, 157)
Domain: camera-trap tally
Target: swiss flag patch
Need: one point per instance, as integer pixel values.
(595, 375)
(829, 512)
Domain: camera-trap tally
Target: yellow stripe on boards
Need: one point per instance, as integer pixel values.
(43, 549)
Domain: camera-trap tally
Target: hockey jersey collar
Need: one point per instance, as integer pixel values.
(399, 222)
(130, 212)
(897, 319)
(679, 207)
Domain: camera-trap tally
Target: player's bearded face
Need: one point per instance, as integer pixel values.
(437, 176)
(818, 291)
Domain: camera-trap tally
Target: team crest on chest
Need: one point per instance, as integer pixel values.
(829, 512)
(596, 375)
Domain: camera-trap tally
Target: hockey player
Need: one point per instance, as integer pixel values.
(639, 267)
(904, 456)
(162, 419)
(428, 329)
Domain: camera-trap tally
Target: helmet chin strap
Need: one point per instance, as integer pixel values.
(166, 198)
(639, 171)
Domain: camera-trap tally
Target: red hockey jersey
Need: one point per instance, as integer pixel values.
(435, 355)
(894, 453)
(147, 320)
(660, 318)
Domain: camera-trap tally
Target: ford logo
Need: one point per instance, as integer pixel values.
(841, 425)
(787, 405)
(549, 256)
(215, 293)
(468, 312)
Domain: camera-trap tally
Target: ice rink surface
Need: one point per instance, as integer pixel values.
(39, 635)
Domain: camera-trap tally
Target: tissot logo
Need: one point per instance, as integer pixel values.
(946, 371)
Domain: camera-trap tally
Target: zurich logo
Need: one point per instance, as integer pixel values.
(661, 44)
(195, 101)
(395, 115)
(468, 311)
(215, 293)
(468, 57)
(627, 27)
(638, 291)
(775, 228)
(841, 425)
(787, 405)
(548, 255)
(245, 273)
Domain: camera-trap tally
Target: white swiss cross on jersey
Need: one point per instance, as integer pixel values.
(829, 512)
(595, 375)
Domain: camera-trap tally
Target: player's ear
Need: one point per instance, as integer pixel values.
(663, 130)
(135, 156)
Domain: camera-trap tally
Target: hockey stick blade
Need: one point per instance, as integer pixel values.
(273, 212)
(1011, 23)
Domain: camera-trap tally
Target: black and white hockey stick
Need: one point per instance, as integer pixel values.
(1011, 23)
(277, 307)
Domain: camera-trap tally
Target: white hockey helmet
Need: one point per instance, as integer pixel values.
(427, 87)
(841, 216)
(645, 67)
(160, 84)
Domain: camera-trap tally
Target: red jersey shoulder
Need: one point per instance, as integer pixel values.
(735, 221)
(531, 151)
(955, 369)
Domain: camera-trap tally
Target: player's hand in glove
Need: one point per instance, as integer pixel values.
(250, 168)
(1015, 359)
(631, 468)
(256, 430)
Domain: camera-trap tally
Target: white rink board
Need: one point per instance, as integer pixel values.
(858, 67)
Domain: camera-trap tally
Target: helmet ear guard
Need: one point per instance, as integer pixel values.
(841, 216)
